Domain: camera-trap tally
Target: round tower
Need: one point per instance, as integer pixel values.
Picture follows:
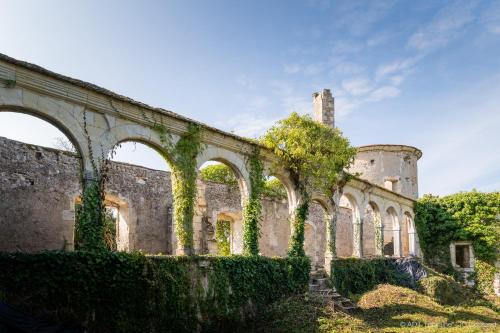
(391, 166)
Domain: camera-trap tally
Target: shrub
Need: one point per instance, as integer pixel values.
(443, 289)
(119, 292)
(472, 216)
(356, 276)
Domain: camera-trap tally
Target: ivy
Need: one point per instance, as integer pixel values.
(184, 173)
(252, 210)
(296, 246)
(129, 292)
(467, 216)
(90, 214)
(223, 236)
(356, 276)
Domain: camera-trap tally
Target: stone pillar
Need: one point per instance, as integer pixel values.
(357, 237)
(397, 241)
(379, 235)
(323, 107)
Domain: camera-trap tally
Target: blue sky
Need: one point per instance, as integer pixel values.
(422, 73)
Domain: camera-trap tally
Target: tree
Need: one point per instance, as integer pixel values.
(219, 173)
(315, 156)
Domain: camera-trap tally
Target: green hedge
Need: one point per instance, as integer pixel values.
(466, 216)
(119, 292)
(353, 276)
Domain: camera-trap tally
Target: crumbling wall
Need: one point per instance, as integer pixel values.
(39, 188)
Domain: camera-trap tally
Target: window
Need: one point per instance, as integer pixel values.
(462, 256)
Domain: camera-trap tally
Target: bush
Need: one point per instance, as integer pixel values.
(356, 276)
(466, 216)
(443, 289)
(119, 292)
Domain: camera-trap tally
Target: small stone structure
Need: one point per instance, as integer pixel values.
(38, 193)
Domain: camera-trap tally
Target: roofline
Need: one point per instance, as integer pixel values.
(391, 148)
(109, 93)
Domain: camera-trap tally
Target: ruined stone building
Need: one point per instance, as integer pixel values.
(39, 187)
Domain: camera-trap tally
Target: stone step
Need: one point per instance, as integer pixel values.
(314, 287)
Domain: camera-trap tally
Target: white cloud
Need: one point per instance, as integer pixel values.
(384, 92)
(446, 26)
(357, 86)
(395, 67)
(347, 68)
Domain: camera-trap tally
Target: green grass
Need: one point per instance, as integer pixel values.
(387, 308)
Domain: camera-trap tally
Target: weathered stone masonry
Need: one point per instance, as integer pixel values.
(376, 202)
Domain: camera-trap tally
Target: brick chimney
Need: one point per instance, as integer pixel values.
(323, 107)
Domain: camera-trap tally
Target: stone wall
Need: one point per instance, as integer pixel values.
(39, 188)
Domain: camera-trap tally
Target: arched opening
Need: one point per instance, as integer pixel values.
(275, 225)
(408, 238)
(349, 215)
(40, 176)
(371, 227)
(391, 233)
(138, 193)
(218, 208)
(315, 242)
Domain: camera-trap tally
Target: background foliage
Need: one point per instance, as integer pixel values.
(467, 216)
(219, 173)
(223, 237)
(119, 292)
(315, 156)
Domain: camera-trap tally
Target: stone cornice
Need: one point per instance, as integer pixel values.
(29, 76)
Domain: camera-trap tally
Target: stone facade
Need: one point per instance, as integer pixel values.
(96, 120)
(49, 180)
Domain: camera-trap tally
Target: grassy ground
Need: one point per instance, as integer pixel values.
(386, 309)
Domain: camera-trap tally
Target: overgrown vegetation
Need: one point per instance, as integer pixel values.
(119, 292)
(355, 276)
(90, 214)
(219, 173)
(386, 308)
(315, 156)
(184, 173)
(223, 237)
(252, 210)
(222, 174)
(468, 216)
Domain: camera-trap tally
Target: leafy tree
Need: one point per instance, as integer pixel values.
(274, 188)
(219, 173)
(315, 156)
(223, 237)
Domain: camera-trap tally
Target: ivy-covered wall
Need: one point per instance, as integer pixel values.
(467, 216)
(119, 292)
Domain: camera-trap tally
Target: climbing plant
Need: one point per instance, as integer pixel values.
(315, 156)
(183, 154)
(223, 237)
(467, 216)
(90, 214)
(252, 210)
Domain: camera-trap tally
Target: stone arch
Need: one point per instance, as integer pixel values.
(371, 229)
(392, 228)
(233, 161)
(50, 218)
(69, 126)
(320, 212)
(408, 235)
(134, 133)
(347, 223)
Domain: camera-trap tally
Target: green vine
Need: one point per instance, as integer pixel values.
(296, 247)
(184, 174)
(223, 236)
(252, 211)
(90, 215)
